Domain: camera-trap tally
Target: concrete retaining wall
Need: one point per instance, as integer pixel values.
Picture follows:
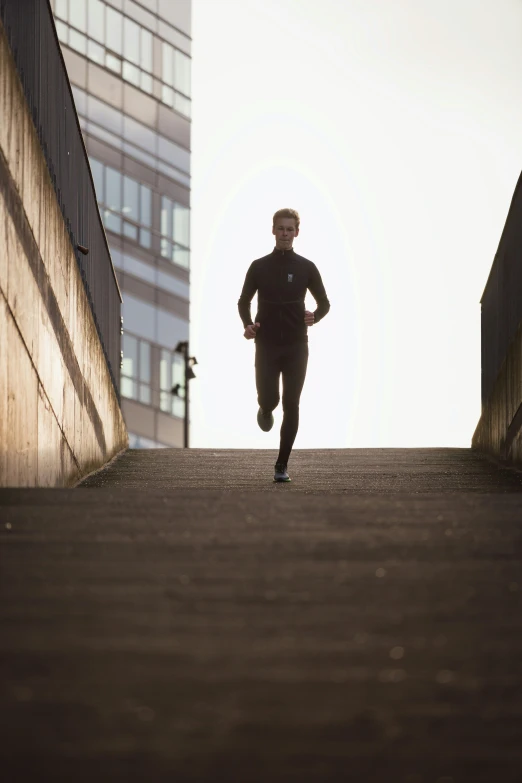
(59, 414)
(499, 431)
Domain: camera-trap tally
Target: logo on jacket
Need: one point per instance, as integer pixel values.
(290, 278)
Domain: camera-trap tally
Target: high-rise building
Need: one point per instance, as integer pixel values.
(129, 67)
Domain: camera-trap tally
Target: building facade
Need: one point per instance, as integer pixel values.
(129, 66)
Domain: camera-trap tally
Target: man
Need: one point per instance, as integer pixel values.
(281, 280)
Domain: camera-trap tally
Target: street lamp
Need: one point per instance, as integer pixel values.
(183, 348)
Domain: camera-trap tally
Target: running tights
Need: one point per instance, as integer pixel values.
(288, 361)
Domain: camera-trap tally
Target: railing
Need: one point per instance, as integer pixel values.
(502, 298)
(32, 37)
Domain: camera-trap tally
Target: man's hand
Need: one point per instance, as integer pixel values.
(309, 318)
(250, 331)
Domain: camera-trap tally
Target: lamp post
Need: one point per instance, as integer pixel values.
(183, 348)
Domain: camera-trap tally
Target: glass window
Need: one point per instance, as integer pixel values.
(95, 52)
(139, 442)
(130, 199)
(178, 376)
(113, 39)
(145, 199)
(165, 376)
(113, 189)
(146, 50)
(130, 231)
(175, 224)
(131, 41)
(77, 41)
(172, 284)
(141, 315)
(97, 175)
(182, 72)
(166, 382)
(178, 406)
(173, 154)
(96, 20)
(63, 31)
(130, 356)
(152, 5)
(182, 104)
(167, 95)
(60, 9)
(172, 373)
(171, 328)
(140, 14)
(139, 269)
(136, 364)
(168, 64)
(166, 216)
(111, 221)
(80, 99)
(173, 173)
(104, 115)
(138, 153)
(165, 398)
(146, 443)
(128, 388)
(110, 138)
(113, 62)
(144, 394)
(181, 256)
(146, 82)
(139, 134)
(144, 361)
(145, 237)
(166, 249)
(131, 73)
(182, 224)
(78, 14)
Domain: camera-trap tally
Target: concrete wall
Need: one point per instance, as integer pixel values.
(499, 431)
(59, 414)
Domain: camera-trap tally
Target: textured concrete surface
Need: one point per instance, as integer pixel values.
(180, 618)
(326, 470)
(499, 431)
(59, 413)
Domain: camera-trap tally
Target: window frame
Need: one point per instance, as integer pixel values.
(114, 218)
(140, 71)
(170, 403)
(141, 389)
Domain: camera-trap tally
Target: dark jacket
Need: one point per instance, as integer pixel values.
(281, 280)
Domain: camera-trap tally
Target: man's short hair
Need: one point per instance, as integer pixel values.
(287, 213)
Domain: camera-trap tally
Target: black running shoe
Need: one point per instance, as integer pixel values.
(265, 420)
(280, 473)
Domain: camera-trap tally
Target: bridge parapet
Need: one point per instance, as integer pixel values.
(60, 416)
(499, 431)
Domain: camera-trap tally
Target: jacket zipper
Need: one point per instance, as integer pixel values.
(280, 302)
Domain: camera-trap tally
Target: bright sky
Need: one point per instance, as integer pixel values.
(394, 128)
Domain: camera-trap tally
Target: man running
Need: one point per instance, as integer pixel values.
(281, 280)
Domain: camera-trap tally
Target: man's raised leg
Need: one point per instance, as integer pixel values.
(267, 384)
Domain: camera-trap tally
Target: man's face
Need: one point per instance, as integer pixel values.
(284, 230)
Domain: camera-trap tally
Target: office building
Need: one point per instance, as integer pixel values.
(129, 66)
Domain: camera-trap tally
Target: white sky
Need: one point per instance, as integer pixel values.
(394, 128)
